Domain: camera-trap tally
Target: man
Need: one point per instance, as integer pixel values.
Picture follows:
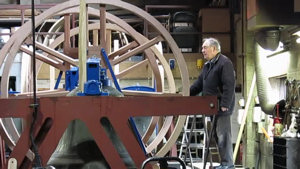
(218, 78)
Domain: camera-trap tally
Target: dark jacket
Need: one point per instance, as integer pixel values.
(217, 78)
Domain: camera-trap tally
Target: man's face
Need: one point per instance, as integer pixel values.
(208, 51)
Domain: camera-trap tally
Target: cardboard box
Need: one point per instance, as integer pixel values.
(214, 20)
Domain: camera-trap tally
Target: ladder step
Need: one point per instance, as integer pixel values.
(188, 160)
(194, 145)
(195, 130)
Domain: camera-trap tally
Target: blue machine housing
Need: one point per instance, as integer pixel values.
(71, 78)
(93, 69)
(93, 85)
(96, 78)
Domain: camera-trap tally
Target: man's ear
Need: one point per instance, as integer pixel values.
(214, 48)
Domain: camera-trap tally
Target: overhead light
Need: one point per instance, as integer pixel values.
(297, 33)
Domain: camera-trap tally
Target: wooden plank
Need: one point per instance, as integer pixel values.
(82, 44)
(103, 27)
(95, 37)
(108, 41)
(67, 26)
(17, 13)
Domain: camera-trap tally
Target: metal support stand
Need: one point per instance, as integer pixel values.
(209, 141)
(205, 140)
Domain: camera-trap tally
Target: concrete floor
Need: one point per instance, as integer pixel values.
(200, 166)
(197, 165)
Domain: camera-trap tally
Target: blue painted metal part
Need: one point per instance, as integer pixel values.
(110, 69)
(140, 88)
(71, 78)
(103, 77)
(58, 79)
(93, 84)
(172, 63)
(96, 79)
(93, 69)
(131, 120)
(92, 87)
(12, 92)
(135, 130)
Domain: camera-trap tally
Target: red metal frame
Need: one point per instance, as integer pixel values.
(55, 113)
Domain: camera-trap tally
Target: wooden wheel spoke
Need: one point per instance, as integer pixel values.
(56, 54)
(132, 68)
(123, 50)
(137, 50)
(54, 63)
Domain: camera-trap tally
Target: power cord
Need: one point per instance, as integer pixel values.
(37, 162)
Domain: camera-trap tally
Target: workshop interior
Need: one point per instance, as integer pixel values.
(105, 84)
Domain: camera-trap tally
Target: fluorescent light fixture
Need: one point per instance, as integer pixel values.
(297, 33)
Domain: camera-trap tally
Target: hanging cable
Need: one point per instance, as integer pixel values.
(37, 160)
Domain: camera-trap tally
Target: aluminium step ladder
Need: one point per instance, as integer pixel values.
(194, 140)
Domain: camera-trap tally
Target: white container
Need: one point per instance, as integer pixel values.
(256, 114)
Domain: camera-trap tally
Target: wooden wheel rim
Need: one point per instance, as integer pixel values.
(15, 43)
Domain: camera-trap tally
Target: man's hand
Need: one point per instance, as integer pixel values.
(224, 109)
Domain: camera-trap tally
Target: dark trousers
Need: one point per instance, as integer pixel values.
(223, 138)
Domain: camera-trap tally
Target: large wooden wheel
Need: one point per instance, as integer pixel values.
(108, 23)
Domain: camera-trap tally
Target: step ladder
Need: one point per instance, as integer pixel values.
(192, 142)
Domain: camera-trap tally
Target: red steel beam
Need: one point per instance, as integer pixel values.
(62, 110)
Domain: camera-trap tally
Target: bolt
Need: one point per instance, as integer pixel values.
(211, 105)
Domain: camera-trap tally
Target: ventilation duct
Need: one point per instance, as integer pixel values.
(267, 39)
